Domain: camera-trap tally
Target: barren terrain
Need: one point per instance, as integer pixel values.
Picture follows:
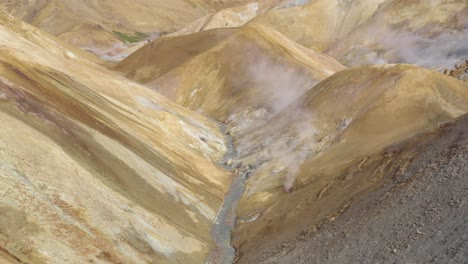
(270, 131)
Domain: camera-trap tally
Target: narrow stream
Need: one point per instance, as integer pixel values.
(225, 221)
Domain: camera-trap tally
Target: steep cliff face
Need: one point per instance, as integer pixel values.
(95, 167)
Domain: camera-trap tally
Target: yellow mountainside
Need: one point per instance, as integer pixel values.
(103, 26)
(5, 257)
(226, 18)
(323, 151)
(112, 29)
(254, 67)
(163, 55)
(95, 168)
(319, 23)
(235, 16)
(263, 4)
(428, 33)
(43, 40)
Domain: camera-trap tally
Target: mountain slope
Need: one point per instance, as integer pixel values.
(432, 34)
(95, 168)
(319, 23)
(254, 67)
(112, 30)
(235, 16)
(318, 154)
(419, 215)
(226, 18)
(104, 26)
(253, 141)
(46, 41)
(163, 55)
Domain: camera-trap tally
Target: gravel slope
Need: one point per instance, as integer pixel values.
(421, 216)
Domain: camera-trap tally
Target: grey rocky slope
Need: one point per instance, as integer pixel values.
(419, 216)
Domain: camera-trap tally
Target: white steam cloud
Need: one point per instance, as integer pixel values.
(442, 51)
(444, 47)
(267, 136)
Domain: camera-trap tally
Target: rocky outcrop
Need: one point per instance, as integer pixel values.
(460, 71)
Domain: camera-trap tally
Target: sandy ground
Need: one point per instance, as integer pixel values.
(421, 216)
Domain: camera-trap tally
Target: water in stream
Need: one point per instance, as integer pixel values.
(225, 221)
